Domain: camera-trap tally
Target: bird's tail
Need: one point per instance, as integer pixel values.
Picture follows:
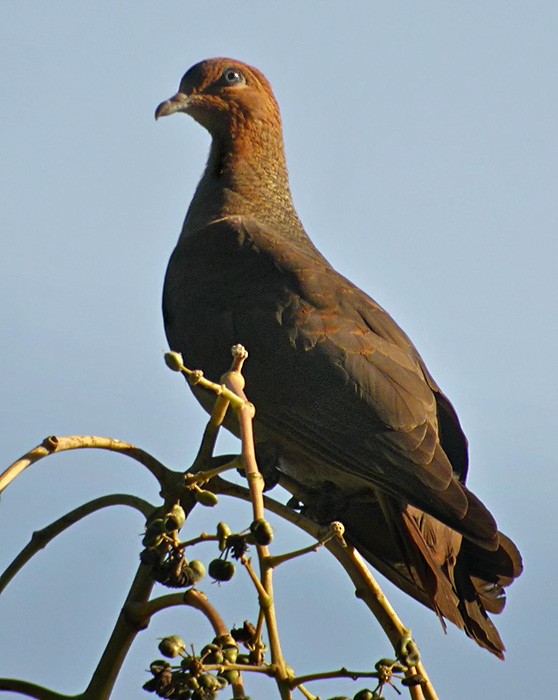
(458, 579)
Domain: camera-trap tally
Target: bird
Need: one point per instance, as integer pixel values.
(347, 414)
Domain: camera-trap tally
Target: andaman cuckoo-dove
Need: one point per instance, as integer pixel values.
(345, 406)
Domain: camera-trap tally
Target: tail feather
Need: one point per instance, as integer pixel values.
(458, 579)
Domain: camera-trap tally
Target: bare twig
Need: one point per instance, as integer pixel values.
(33, 691)
(124, 633)
(53, 444)
(41, 538)
(365, 584)
(245, 412)
(141, 613)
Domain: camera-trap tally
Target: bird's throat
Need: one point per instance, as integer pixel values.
(245, 175)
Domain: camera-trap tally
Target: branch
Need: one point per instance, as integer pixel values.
(41, 538)
(32, 690)
(53, 444)
(235, 382)
(365, 584)
(141, 613)
(124, 633)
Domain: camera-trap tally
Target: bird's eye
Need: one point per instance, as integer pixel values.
(232, 76)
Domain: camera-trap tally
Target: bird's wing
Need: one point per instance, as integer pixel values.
(330, 373)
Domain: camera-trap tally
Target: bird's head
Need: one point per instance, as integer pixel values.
(225, 96)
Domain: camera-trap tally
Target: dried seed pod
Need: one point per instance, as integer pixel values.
(245, 633)
(237, 545)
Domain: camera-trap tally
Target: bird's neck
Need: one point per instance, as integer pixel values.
(246, 175)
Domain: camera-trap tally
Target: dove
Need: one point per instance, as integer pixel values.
(347, 415)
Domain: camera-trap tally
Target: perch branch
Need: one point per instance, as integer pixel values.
(365, 584)
(53, 444)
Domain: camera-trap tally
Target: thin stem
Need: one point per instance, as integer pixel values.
(33, 691)
(141, 613)
(366, 587)
(274, 561)
(307, 694)
(204, 537)
(211, 431)
(329, 675)
(262, 593)
(245, 412)
(41, 538)
(201, 477)
(53, 444)
(124, 633)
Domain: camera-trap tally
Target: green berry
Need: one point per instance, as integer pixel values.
(221, 570)
(262, 532)
(172, 646)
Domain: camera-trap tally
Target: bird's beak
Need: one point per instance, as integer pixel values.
(177, 103)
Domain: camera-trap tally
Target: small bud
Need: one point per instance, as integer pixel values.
(365, 694)
(229, 676)
(192, 683)
(152, 539)
(221, 570)
(198, 570)
(206, 680)
(174, 361)
(337, 529)
(262, 532)
(205, 498)
(158, 666)
(383, 663)
(223, 532)
(225, 640)
(212, 655)
(175, 519)
(172, 646)
(231, 654)
(409, 681)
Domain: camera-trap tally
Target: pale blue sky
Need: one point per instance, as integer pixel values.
(422, 147)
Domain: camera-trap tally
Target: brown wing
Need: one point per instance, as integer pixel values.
(329, 369)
